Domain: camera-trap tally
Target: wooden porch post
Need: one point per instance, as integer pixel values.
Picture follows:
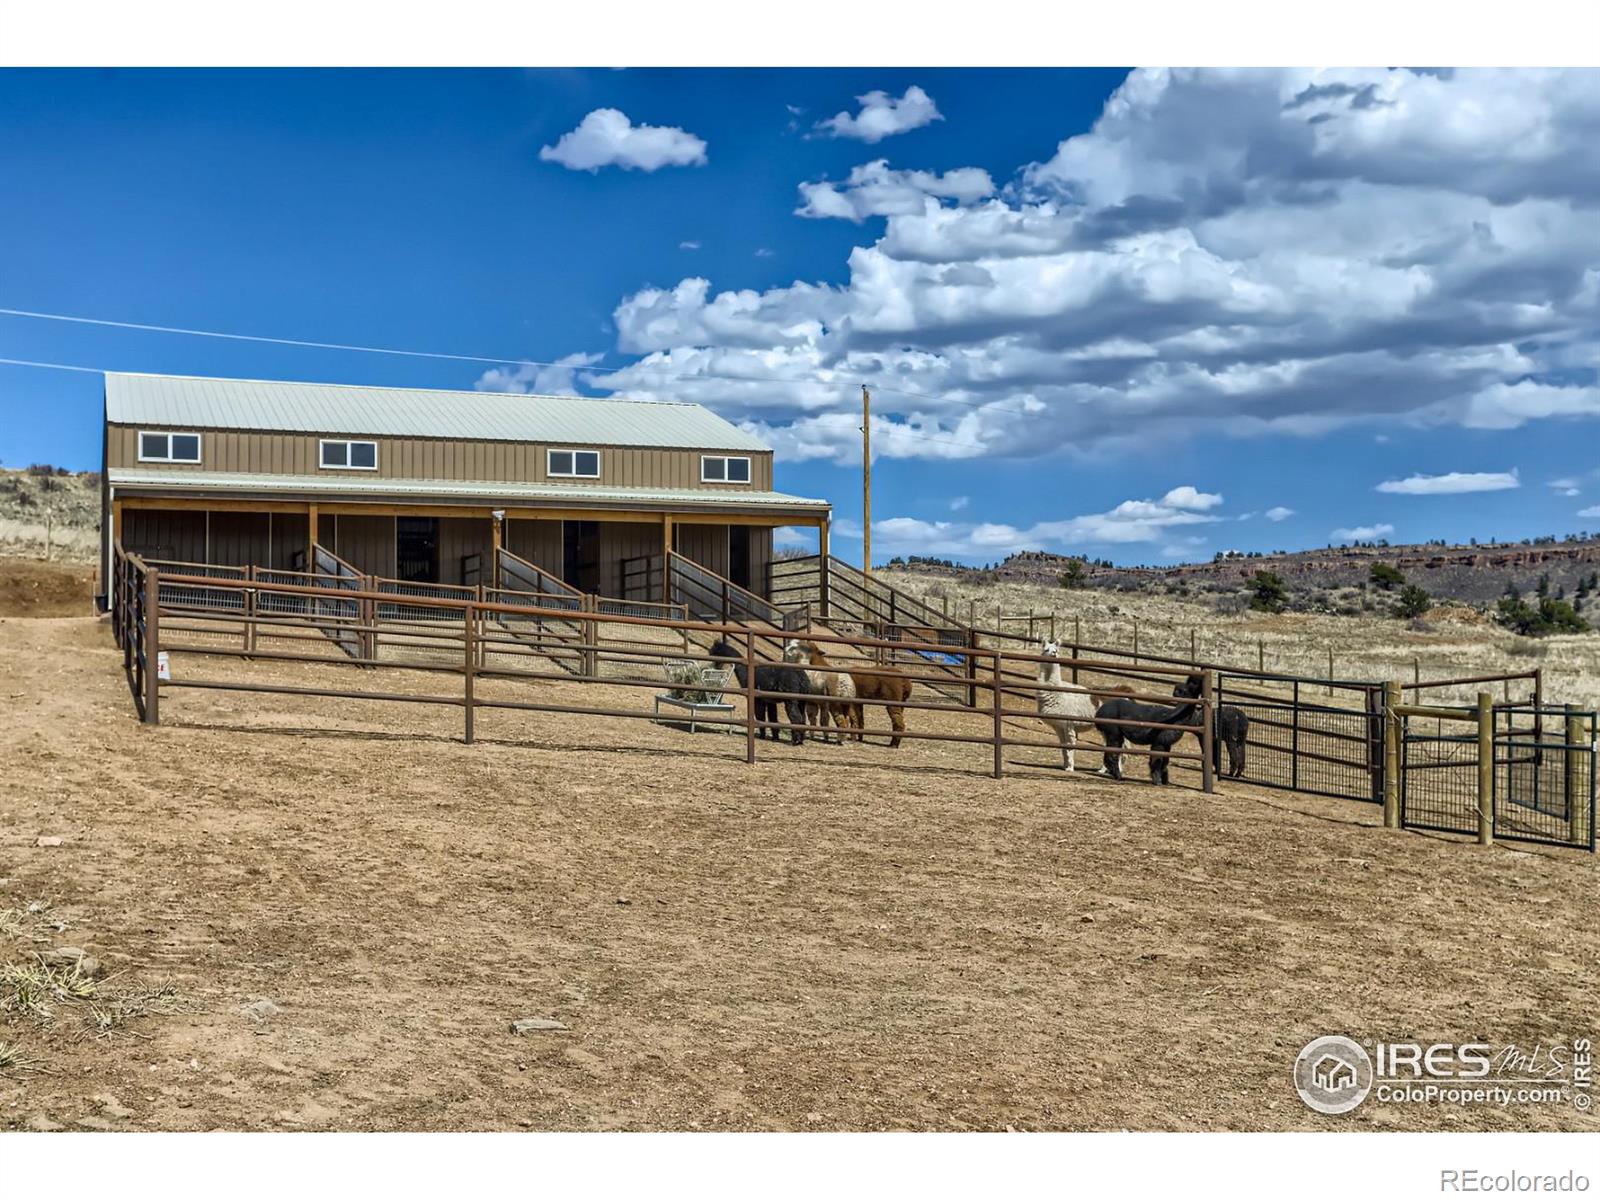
(666, 557)
(822, 566)
(311, 537)
(497, 521)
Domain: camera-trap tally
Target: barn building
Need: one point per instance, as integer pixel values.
(425, 486)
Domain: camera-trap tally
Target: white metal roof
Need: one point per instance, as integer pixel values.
(169, 401)
(370, 487)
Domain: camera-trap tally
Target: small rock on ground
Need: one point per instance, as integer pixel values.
(111, 1106)
(260, 1010)
(535, 1024)
(48, 841)
(88, 965)
(39, 1123)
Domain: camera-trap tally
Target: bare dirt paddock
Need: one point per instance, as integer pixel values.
(834, 938)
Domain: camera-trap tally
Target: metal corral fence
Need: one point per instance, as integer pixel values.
(465, 639)
(1510, 772)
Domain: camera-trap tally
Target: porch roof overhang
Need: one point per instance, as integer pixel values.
(311, 489)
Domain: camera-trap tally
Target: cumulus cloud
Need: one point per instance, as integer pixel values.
(1362, 533)
(883, 116)
(1278, 513)
(1564, 487)
(607, 138)
(688, 245)
(1455, 483)
(875, 189)
(549, 379)
(957, 503)
(1131, 522)
(1236, 253)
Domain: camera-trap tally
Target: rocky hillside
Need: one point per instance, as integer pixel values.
(1471, 574)
(42, 500)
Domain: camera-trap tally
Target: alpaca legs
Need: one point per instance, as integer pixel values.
(897, 720)
(1112, 764)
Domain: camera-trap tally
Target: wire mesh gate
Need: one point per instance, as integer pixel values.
(1329, 746)
(1543, 782)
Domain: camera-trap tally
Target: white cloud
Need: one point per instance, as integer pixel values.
(1190, 498)
(1455, 483)
(688, 245)
(959, 502)
(1362, 533)
(763, 252)
(1592, 511)
(875, 189)
(1131, 522)
(551, 379)
(1279, 513)
(1564, 487)
(883, 116)
(606, 138)
(1235, 253)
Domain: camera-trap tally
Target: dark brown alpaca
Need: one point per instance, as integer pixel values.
(886, 684)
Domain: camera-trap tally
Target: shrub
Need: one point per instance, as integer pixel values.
(1414, 601)
(1074, 574)
(1386, 577)
(1268, 592)
(1549, 616)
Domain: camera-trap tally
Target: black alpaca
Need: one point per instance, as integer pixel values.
(1230, 730)
(772, 677)
(1160, 741)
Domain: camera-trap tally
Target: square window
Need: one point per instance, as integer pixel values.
(336, 454)
(587, 463)
(738, 470)
(561, 462)
(152, 445)
(364, 454)
(185, 447)
(714, 470)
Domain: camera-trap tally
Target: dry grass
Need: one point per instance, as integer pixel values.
(1457, 642)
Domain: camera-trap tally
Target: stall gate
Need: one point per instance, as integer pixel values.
(1318, 736)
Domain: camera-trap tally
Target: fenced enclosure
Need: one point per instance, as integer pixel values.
(465, 638)
(1348, 739)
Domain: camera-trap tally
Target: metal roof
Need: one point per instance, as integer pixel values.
(573, 495)
(274, 406)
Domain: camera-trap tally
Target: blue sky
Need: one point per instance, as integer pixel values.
(1120, 316)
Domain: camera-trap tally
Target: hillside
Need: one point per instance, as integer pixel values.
(42, 500)
(1471, 574)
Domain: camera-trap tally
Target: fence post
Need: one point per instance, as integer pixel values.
(1261, 657)
(1330, 670)
(152, 646)
(1194, 656)
(250, 609)
(469, 665)
(1485, 768)
(1391, 755)
(591, 636)
(1294, 742)
(1208, 733)
(1579, 751)
(972, 668)
(999, 733)
(1416, 671)
(1136, 639)
(750, 697)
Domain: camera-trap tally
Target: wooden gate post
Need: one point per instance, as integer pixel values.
(1208, 727)
(1580, 750)
(469, 666)
(1391, 755)
(250, 613)
(750, 697)
(999, 733)
(1485, 768)
(152, 646)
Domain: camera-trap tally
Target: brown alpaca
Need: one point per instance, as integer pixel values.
(1101, 694)
(882, 683)
(834, 684)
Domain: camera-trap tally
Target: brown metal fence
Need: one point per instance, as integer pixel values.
(464, 638)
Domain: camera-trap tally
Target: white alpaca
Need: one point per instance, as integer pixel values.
(1066, 711)
(837, 685)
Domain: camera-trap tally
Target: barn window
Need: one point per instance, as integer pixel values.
(350, 456)
(573, 464)
(169, 447)
(720, 468)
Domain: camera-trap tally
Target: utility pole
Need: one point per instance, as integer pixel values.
(866, 479)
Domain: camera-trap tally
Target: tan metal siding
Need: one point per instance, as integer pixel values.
(620, 540)
(537, 541)
(459, 537)
(179, 536)
(760, 559)
(288, 533)
(706, 545)
(239, 539)
(244, 452)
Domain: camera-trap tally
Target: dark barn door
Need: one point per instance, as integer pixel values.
(417, 549)
(739, 555)
(580, 554)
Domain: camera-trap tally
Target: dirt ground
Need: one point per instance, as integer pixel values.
(34, 588)
(833, 938)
